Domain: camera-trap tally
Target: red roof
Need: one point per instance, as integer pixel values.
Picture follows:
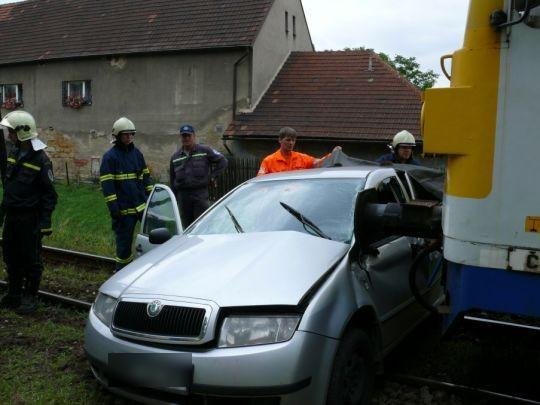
(36, 30)
(340, 95)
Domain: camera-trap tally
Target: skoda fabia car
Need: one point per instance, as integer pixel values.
(276, 295)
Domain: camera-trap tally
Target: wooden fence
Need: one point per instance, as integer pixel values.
(238, 170)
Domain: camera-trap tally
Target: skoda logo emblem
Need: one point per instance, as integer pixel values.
(154, 308)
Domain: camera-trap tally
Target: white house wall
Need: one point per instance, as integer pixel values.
(273, 44)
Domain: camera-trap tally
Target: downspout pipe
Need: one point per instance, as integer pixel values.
(235, 92)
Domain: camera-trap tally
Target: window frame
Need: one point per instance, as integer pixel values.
(286, 23)
(18, 96)
(85, 99)
(294, 26)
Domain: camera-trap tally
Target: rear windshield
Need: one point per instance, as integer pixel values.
(328, 203)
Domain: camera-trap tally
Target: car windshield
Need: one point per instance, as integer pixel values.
(257, 207)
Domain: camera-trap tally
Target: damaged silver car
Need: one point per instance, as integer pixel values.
(279, 294)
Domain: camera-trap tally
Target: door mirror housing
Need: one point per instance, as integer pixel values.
(159, 236)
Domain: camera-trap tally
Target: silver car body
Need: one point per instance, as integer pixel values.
(330, 283)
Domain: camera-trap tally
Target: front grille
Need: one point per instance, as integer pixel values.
(172, 320)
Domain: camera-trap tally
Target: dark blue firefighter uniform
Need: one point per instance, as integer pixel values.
(125, 181)
(28, 202)
(191, 173)
(391, 158)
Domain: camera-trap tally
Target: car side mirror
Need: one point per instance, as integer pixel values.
(159, 236)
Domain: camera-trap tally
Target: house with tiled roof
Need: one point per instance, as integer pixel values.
(347, 98)
(78, 65)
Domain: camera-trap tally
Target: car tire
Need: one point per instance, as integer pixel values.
(353, 372)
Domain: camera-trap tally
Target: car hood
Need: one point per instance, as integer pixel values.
(270, 268)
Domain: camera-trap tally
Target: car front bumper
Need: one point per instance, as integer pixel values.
(296, 371)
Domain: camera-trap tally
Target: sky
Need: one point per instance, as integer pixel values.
(425, 29)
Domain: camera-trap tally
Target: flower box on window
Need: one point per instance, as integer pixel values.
(76, 93)
(11, 96)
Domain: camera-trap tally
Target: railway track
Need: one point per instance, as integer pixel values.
(469, 391)
(82, 260)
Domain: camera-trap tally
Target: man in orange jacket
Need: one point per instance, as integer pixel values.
(285, 158)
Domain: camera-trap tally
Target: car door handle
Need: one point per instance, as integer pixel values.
(138, 248)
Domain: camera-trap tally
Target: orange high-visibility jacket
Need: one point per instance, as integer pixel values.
(276, 162)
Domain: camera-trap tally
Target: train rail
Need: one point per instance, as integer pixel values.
(83, 260)
(475, 392)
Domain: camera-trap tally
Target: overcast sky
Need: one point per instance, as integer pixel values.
(425, 29)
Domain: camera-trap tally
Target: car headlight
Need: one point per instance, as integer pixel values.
(104, 308)
(257, 330)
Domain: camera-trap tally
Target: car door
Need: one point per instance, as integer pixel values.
(161, 212)
(386, 267)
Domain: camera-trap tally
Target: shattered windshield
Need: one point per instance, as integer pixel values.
(256, 207)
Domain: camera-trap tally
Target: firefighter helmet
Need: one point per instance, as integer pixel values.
(122, 125)
(22, 123)
(404, 138)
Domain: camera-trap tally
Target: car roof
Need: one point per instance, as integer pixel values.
(350, 172)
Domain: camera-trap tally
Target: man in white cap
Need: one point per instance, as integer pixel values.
(402, 150)
(28, 202)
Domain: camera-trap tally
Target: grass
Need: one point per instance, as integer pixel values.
(81, 221)
(43, 359)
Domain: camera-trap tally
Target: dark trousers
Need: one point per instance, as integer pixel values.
(192, 203)
(123, 228)
(22, 252)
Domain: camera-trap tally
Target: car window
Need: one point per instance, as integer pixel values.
(329, 203)
(407, 183)
(160, 212)
(389, 190)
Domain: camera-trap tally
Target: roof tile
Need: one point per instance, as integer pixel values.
(55, 29)
(340, 94)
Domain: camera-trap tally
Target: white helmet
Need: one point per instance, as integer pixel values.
(404, 138)
(24, 126)
(123, 125)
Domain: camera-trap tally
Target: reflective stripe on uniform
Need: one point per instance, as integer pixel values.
(11, 160)
(106, 177)
(146, 171)
(179, 159)
(31, 166)
(199, 154)
(111, 197)
(125, 176)
(46, 230)
(124, 261)
(149, 188)
(136, 210)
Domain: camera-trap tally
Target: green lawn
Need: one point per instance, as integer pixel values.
(81, 221)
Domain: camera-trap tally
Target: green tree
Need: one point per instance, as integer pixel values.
(408, 67)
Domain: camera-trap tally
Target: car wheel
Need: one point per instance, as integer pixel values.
(353, 372)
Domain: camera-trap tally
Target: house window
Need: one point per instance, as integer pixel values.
(294, 26)
(11, 96)
(76, 93)
(286, 22)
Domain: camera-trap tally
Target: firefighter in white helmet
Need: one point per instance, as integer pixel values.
(125, 181)
(28, 202)
(402, 150)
